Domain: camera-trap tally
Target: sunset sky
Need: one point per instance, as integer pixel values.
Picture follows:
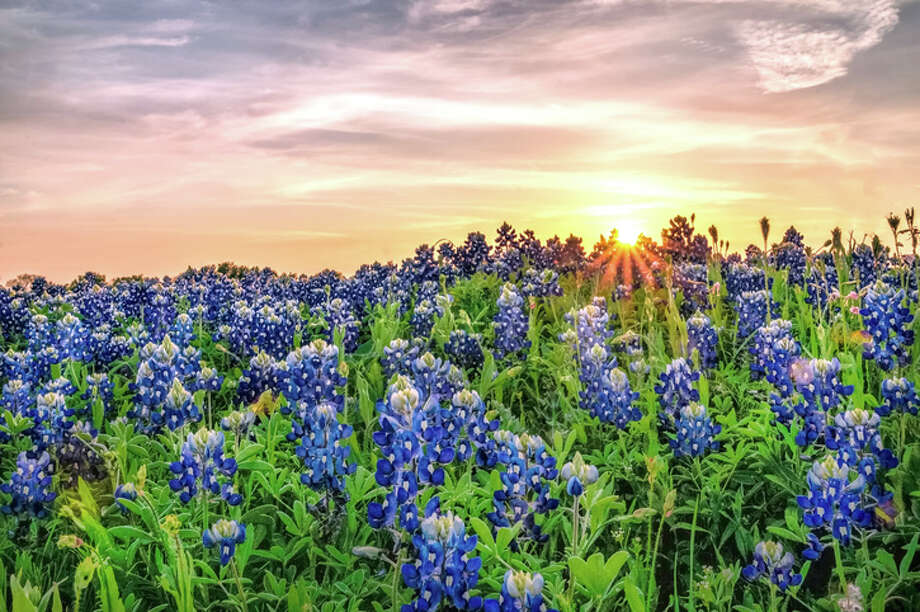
(143, 137)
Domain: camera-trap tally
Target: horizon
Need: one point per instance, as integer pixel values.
(304, 137)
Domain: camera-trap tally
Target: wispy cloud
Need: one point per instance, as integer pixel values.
(819, 45)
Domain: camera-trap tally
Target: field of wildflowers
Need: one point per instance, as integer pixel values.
(505, 425)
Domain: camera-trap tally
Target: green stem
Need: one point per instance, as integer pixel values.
(575, 526)
(651, 577)
(841, 574)
(394, 594)
(239, 583)
(696, 508)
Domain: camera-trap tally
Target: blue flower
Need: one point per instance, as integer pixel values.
(398, 356)
(676, 391)
(412, 445)
(464, 349)
(898, 394)
(695, 432)
(888, 323)
(835, 499)
(540, 283)
(259, 377)
(525, 484)
(208, 379)
(510, 323)
(790, 255)
(752, 311)
(444, 570)
(772, 562)
(577, 475)
(225, 535)
(202, 462)
(815, 548)
(521, 592)
(702, 337)
(614, 402)
(29, 486)
(98, 386)
(125, 491)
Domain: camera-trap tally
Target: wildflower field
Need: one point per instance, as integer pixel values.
(501, 424)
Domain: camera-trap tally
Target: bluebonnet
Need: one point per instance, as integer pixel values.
(339, 317)
(819, 383)
(224, 535)
(763, 350)
(474, 255)
(259, 377)
(592, 327)
(814, 549)
(577, 474)
(408, 438)
(630, 344)
(312, 379)
(95, 304)
(855, 435)
(525, 484)
(898, 394)
(17, 397)
(822, 284)
(821, 390)
(423, 315)
(310, 376)
(238, 422)
(835, 499)
(615, 401)
(40, 333)
(864, 270)
(740, 278)
(464, 349)
(467, 428)
(72, 338)
(159, 311)
(160, 395)
(183, 330)
(30, 486)
(434, 377)
(675, 391)
(127, 491)
(521, 592)
(208, 379)
(105, 347)
(888, 323)
(398, 356)
(692, 280)
(702, 337)
(444, 571)
(98, 386)
(540, 283)
(510, 323)
(776, 565)
(752, 311)
(52, 420)
(695, 432)
(790, 255)
(200, 466)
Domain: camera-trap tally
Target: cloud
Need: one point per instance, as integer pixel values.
(791, 55)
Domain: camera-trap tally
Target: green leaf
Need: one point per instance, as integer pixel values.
(485, 534)
(21, 601)
(633, 595)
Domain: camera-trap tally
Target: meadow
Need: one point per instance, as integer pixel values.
(499, 424)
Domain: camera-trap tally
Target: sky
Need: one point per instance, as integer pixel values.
(147, 137)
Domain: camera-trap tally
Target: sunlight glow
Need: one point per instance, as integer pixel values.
(628, 230)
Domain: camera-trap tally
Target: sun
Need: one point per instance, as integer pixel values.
(627, 231)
